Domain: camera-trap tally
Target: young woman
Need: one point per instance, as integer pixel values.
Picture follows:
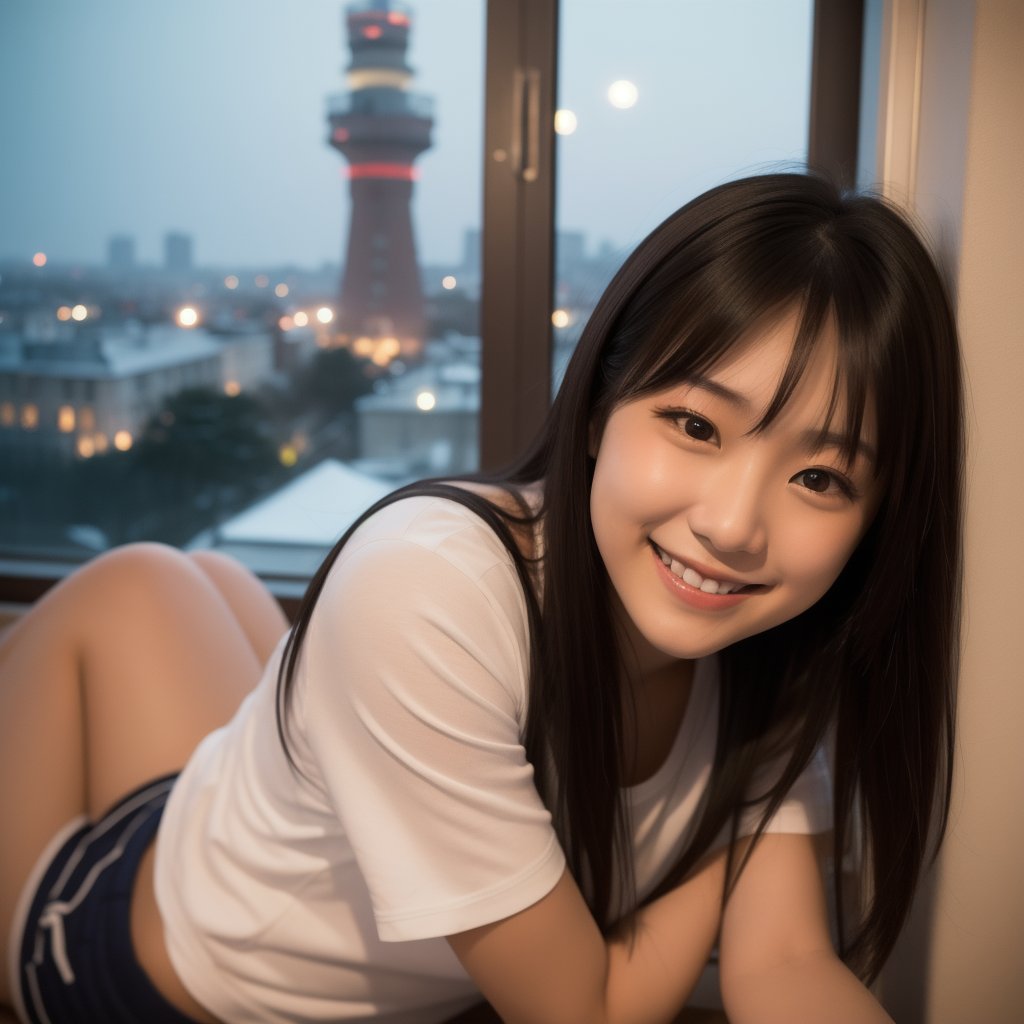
(552, 736)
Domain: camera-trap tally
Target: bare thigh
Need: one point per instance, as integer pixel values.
(109, 681)
(253, 606)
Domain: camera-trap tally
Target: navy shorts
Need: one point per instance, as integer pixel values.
(77, 963)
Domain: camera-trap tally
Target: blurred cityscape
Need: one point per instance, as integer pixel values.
(160, 401)
(255, 409)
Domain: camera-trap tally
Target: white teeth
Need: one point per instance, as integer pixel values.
(694, 578)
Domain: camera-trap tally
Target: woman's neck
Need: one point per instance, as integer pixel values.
(655, 693)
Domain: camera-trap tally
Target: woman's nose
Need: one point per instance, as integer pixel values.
(729, 513)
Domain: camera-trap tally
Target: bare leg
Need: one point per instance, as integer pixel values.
(254, 607)
(110, 681)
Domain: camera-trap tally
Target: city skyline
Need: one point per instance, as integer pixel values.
(208, 119)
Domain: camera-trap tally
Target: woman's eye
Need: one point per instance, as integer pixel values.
(697, 428)
(822, 482)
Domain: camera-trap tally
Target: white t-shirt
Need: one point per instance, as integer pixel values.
(326, 896)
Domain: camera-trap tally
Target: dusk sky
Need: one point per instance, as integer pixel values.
(208, 117)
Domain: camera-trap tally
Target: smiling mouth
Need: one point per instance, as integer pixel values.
(705, 584)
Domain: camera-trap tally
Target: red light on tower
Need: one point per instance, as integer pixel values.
(373, 32)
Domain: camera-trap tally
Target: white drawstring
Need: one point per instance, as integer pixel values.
(52, 917)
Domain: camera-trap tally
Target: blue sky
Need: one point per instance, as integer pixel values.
(207, 116)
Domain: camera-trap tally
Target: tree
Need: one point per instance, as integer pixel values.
(330, 382)
(203, 438)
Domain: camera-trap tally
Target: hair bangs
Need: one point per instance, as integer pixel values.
(851, 385)
(704, 327)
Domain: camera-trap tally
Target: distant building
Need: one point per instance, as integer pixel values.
(177, 252)
(472, 248)
(425, 422)
(570, 251)
(121, 252)
(94, 389)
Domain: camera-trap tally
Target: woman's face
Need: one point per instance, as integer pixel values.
(711, 533)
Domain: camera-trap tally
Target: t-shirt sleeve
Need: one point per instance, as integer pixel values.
(807, 807)
(411, 694)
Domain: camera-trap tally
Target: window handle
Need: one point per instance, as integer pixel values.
(526, 123)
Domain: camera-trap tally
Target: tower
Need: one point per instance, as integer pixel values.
(380, 128)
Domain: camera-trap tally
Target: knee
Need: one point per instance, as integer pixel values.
(142, 563)
(217, 561)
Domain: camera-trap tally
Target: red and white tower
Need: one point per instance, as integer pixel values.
(380, 128)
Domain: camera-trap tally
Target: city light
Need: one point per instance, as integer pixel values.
(187, 316)
(86, 419)
(39, 259)
(425, 401)
(373, 32)
(301, 319)
(363, 347)
(79, 313)
(565, 122)
(448, 282)
(232, 388)
(623, 94)
(286, 323)
(7, 414)
(123, 440)
(261, 280)
(231, 282)
(86, 448)
(287, 455)
(30, 416)
(281, 290)
(560, 318)
(64, 313)
(325, 314)
(66, 419)
(101, 443)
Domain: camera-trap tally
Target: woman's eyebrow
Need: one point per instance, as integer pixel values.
(811, 440)
(814, 440)
(698, 380)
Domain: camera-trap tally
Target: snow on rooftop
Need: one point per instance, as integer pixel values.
(314, 509)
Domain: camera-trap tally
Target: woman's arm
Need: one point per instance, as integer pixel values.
(777, 964)
(549, 963)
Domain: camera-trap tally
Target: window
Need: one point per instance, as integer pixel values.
(667, 100)
(185, 285)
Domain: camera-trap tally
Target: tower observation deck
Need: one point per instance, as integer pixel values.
(380, 128)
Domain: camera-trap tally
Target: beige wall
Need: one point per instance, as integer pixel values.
(962, 957)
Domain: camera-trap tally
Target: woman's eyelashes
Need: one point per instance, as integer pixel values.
(829, 483)
(826, 482)
(692, 424)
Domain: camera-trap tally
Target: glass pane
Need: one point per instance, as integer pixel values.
(660, 100)
(239, 268)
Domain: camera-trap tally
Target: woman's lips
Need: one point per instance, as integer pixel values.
(687, 584)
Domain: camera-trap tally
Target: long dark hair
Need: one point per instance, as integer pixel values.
(871, 668)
